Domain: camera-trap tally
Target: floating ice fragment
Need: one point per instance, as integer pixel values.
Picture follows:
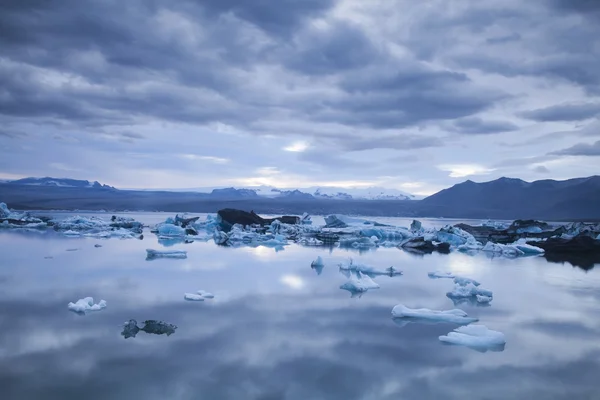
(97, 245)
(478, 337)
(455, 316)
(440, 274)
(83, 306)
(193, 297)
(318, 265)
(359, 283)
(367, 269)
(152, 254)
(205, 294)
(503, 249)
(468, 290)
(130, 328)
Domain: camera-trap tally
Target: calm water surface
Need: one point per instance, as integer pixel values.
(277, 330)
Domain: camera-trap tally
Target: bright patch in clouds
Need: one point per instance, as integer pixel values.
(292, 281)
(463, 170)
(296, 147)
(216, 160)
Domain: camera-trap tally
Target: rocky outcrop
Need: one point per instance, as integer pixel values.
(230, 216)
(422, 246)
(578, 244)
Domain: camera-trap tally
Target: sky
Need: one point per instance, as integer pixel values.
(411, 95)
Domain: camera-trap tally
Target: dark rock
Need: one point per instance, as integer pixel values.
(578, 245)
(184, 222)
(486, 234)
(131, 329)
(231, 216)
(420, 245)
(522, 226)
(126, 223)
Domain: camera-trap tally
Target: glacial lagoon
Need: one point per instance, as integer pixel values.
(276, 329)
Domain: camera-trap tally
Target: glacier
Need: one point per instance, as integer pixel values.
(455, 316)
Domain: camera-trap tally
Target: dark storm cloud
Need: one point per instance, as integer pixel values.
(563, 112)
(397, 142)
(477, 126)
(580, 149)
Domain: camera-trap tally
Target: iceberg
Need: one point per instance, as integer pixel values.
(13, 219)
(200, 295)
(454, 316)
(528, 249)
(310, 241)
(318, 265)
(83, 306)
(170, 230)
(358, 284)
(503, 249)
(478, 337)
(152, 254)
(468, 290)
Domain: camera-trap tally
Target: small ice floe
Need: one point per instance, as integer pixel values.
(310, 241)
(97, 245)
(358, 284)
(477, 337)
(318, 265)
(454, 316)
(200, 295)
(48, 257)
(440, 274)
(153, 254)
(74, 249)
(469, 290)
(83, 306)
(131, 329)
(364, 269)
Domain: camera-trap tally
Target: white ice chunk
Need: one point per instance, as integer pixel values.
(476, 336)
(367, 269)
(455, 316)
(205, 294)
(85, 305)
(166, 254)
(359, 283)
(503, 249)
(193, 297)
(468, 290)
(483, 299)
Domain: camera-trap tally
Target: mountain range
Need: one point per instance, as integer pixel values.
(504, 198)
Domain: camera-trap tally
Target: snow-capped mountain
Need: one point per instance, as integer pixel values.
(59, 182)
(318, 192)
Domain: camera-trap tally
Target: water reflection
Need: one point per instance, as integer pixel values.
(263, 339)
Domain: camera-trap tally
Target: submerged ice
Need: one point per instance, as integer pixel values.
(455, 316)
(476, 336)
(152, 254)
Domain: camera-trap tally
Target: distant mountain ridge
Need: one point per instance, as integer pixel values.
(515, 198)
(504, 198)
(59, 182)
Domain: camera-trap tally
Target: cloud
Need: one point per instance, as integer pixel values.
(564, 112)
(580, 149)
(215, 160)
(464, 170)
(477, 126)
